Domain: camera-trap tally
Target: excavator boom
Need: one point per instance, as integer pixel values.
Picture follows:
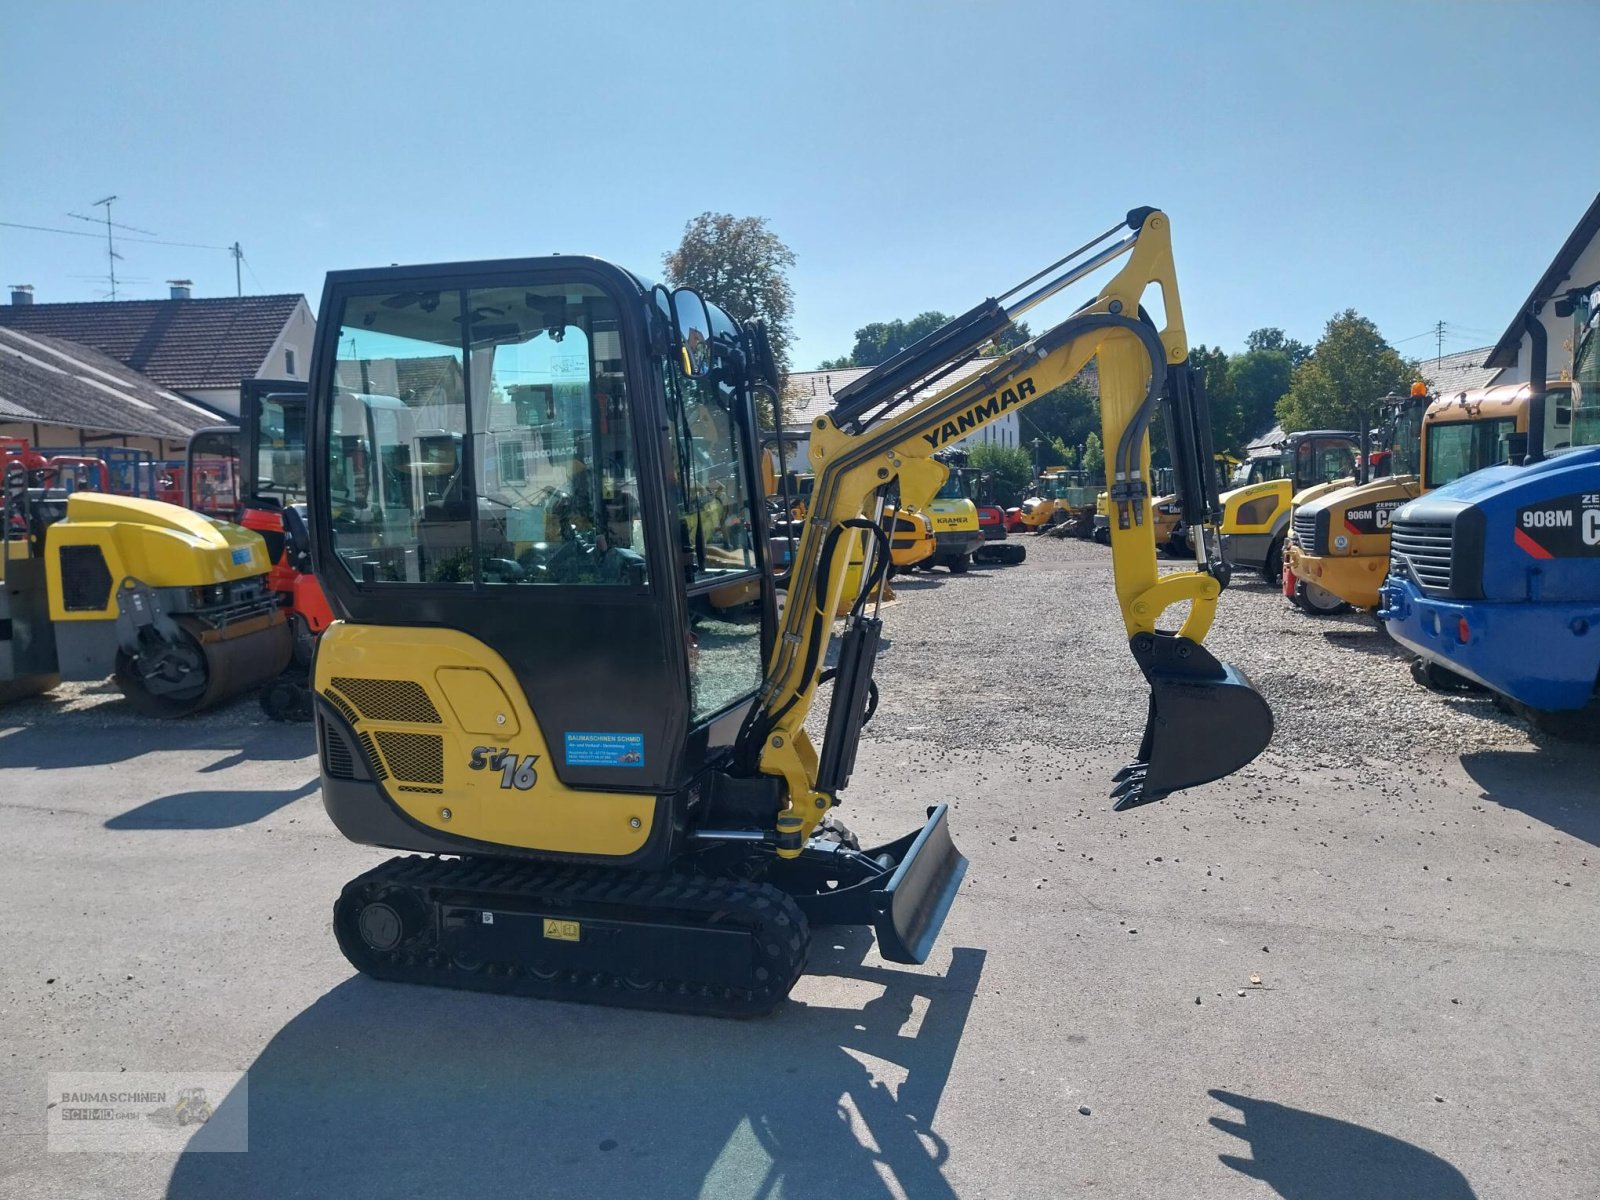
(1205, 720)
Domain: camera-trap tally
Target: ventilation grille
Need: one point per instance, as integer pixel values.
(336, 755)
(1426, 547)
(1305, 533)
(399, 700)
(339, 702)
(414, 757)
(432, 791)
(372, 755)
(85, 580)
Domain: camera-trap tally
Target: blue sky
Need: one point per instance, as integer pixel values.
(1415, 162)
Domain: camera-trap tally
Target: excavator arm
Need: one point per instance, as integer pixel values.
(1205, 720)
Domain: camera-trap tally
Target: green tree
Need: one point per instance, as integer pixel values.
(882, 340)
(743, 266)
(1350, 368)
(1068, 413)
(1211, 363)
(1273, 338)
(1257, 380)
(1062, 455)
(1012, 467)
(1094, 456)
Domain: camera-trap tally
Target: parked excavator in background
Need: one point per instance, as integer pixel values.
(605, 784)
(978, 486)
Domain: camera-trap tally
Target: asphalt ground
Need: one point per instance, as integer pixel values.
(1341, 974)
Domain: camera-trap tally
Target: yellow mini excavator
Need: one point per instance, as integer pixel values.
(606, 780)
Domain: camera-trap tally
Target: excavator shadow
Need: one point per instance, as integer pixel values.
(385, 1090)
(67, 744)
(1307, 1156)
(1554, 784)
(210, 810)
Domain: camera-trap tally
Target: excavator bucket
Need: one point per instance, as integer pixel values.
(1206, 720)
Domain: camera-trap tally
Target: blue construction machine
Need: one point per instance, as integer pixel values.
(1494, 580)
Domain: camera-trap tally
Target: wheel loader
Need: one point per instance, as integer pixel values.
(173, 606)
(603, 786)
(1255, 522)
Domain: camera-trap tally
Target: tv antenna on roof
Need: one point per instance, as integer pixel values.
(111, 248)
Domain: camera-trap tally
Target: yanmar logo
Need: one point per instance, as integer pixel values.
(987, 410)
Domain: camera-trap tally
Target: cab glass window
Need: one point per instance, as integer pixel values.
(557, 479)
(707, 477)
(1406, 442)
(400, 496)
(212, 482)
(1458, 448)
(1586, 372)
(281, 449)
(1322, 462)
(484, 438)
(953, 488)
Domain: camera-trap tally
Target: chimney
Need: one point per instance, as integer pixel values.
(182, 289)
(21, 294)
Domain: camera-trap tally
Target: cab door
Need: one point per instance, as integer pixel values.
(272, 423)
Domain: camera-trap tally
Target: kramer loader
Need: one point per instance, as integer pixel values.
(1255, 520)
(605, 783)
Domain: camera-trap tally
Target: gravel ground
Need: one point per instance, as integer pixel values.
(1081, 688)
(1340, 689)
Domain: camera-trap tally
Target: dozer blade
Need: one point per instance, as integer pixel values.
(911, 907)
(1206, 720)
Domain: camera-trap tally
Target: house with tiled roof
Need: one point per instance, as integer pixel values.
(1457, 372)
(64, 396)
(201, 348)
(1575, 266)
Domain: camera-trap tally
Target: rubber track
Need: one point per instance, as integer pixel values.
(779, 927)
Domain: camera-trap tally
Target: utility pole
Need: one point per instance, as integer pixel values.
(1438, 333)
(238, 257)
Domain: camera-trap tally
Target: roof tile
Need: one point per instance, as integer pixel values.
(208, 343)
(52, 381)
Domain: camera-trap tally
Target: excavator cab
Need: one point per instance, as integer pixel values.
(560, 669)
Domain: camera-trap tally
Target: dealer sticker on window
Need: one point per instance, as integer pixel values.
(605, 749)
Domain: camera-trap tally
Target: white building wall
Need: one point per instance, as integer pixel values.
(1004, 432)
(1558, 329)
(290, 356)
